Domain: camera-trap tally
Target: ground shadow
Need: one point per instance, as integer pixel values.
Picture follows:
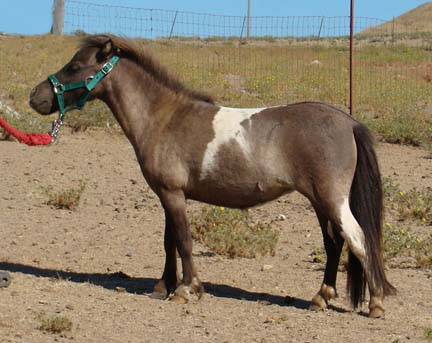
(123, 282)
(112, 281)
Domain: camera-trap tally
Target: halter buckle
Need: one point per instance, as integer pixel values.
(107, 67)
(58, 88)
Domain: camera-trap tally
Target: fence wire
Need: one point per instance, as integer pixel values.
(284, 59)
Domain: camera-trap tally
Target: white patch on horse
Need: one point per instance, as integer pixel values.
(351, 230)
(227, 126)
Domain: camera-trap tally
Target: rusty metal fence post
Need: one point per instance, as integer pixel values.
(351, 62)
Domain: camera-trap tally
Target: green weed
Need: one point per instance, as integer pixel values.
(410, 206)
(405, 129)
(65, 199)
(413, 204)
(398, 241)
(318, 255)
(403, 242)
(54, 324)
(233, 233)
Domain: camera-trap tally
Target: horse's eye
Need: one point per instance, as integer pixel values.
(73, 68)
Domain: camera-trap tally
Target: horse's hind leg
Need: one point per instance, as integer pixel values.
(169, 279)
(333, 244)
(360, 262)
(332, 198)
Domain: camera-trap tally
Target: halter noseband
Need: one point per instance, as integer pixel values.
(89, 84)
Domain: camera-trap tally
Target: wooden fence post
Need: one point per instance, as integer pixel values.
(58, 17)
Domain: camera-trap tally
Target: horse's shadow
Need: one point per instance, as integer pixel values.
(120, 281)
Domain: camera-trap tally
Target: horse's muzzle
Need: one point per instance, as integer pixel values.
(41, 100)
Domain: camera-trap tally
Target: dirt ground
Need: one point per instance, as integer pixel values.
(97, 265)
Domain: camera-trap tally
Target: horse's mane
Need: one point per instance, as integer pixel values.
(132, 50)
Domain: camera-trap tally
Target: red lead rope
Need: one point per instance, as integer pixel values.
(27, 138)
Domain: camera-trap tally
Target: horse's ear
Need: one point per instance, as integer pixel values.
(107, 48)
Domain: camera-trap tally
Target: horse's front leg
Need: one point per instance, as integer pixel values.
(174, 203)
(169, 280)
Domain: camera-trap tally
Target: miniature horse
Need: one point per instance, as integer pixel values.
(190, 148)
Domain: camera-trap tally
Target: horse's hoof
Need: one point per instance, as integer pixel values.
(158, 295)
(316, 308)
(318, 303)
(181, 295)
(160, 291)
(320, 300)
(376, 308)
(376, 312)
(5, 279)
(179, 300)
(197, 287)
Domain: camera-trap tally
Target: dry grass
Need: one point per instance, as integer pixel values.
(393, 84)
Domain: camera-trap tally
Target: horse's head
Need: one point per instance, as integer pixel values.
(72, 79)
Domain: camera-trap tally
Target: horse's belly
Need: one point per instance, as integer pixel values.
(241, 194)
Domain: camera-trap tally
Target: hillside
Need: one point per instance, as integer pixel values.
(418, 19)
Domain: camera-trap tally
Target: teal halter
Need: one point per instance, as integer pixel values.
(89, 84)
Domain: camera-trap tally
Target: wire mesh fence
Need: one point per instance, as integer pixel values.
(156, 23)
(281, 60)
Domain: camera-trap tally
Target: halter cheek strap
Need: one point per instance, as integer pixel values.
(89, 84)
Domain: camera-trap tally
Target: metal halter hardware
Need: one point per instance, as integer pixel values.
(89, 84)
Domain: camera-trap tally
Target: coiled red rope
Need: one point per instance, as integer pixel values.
(27, 138)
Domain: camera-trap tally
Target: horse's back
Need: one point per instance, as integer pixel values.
(306, 132)
(310, 117)
(272, 151)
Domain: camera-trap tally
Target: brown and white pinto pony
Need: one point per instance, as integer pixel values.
(190, 148)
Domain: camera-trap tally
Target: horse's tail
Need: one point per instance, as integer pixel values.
(366, 202)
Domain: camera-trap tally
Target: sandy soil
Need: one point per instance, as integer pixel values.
(97, 265)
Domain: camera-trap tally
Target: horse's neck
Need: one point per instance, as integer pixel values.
(134, 98)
